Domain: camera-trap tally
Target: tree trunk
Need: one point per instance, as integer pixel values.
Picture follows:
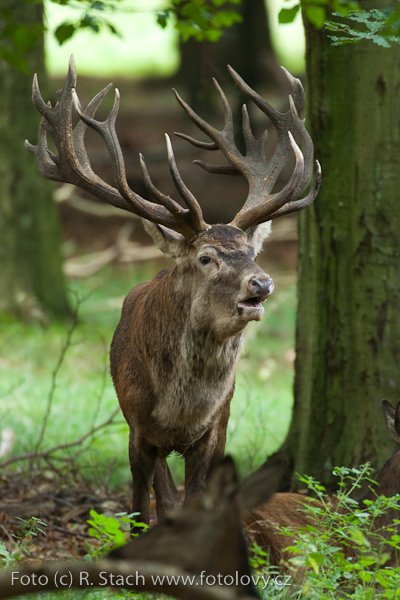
(348, 325)
(31, 281)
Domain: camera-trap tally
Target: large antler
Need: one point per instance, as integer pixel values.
(72, 165)
(261, 174)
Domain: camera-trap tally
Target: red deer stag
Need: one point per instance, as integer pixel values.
(197, 552)
(175, 350)
(285, 509)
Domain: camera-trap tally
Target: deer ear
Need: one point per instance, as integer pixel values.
(258, 487)
(221, 485)
(170, 242)
(392, 419)
(256, 235)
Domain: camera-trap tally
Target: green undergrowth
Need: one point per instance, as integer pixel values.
(57, 375)
(347, 549)
(343, 551)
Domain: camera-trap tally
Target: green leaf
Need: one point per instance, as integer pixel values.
(97, 5)
(113, 29)
(311, 562)
(226, 18)
(381, 41)
(382, 580)
(316, 15)
(221, 2)
(162, 18)
(25, 37)
(288, 15)
(64, 32)
(14, 59)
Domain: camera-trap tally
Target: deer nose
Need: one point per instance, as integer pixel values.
(261, 288)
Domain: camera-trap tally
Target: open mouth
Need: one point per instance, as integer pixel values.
(254, 303)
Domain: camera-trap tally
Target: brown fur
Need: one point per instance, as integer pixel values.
(174, 355)
(285, 509)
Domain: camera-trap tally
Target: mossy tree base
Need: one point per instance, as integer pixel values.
(348, 327)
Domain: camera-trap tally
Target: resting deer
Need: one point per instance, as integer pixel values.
(284, 510)
(200, 545)
(175, 350)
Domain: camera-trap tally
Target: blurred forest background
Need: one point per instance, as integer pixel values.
(58, 408)
(57, 399)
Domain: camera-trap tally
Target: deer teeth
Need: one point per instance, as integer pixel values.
(255, 303)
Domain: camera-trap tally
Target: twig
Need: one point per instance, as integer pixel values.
(8, 534)
(36, 455)
(53, 527)
(54, 376)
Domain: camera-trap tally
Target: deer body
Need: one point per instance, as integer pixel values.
(175, 394)
(284, 510)
(175, 350)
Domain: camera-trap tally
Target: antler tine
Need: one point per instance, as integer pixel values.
(81, 127)
(252, 145)
(296, 205)
(222, 139)
(183, 220)
(175, 208)
(186, 195)
(261, 173)
(297, 89)
(198, 143)
(260, 205)
(208, 129)
(283, 122)
(72, 164)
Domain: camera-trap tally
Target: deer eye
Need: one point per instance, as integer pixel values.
(205, 260)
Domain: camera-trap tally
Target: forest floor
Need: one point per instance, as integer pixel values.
(43, 517)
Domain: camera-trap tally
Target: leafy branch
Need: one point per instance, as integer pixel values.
(199, 19)
(379, 26)
(317, 11)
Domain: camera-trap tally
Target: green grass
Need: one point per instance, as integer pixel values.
(83, 394)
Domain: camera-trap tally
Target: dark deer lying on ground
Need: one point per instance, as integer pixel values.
(201, 545)
(284, 509)
(175, 350)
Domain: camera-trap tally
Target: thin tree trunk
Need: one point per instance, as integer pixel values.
(348, 326)
(31, 281)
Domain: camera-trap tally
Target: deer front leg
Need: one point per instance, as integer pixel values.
(167, 495)
(205, 453)
(142, 458)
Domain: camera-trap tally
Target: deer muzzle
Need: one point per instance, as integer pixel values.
(261, 288)
(252, 306)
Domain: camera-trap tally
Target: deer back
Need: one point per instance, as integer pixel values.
(286, 510)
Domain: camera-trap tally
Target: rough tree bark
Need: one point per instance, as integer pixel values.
(348, 327)
(31, 281)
